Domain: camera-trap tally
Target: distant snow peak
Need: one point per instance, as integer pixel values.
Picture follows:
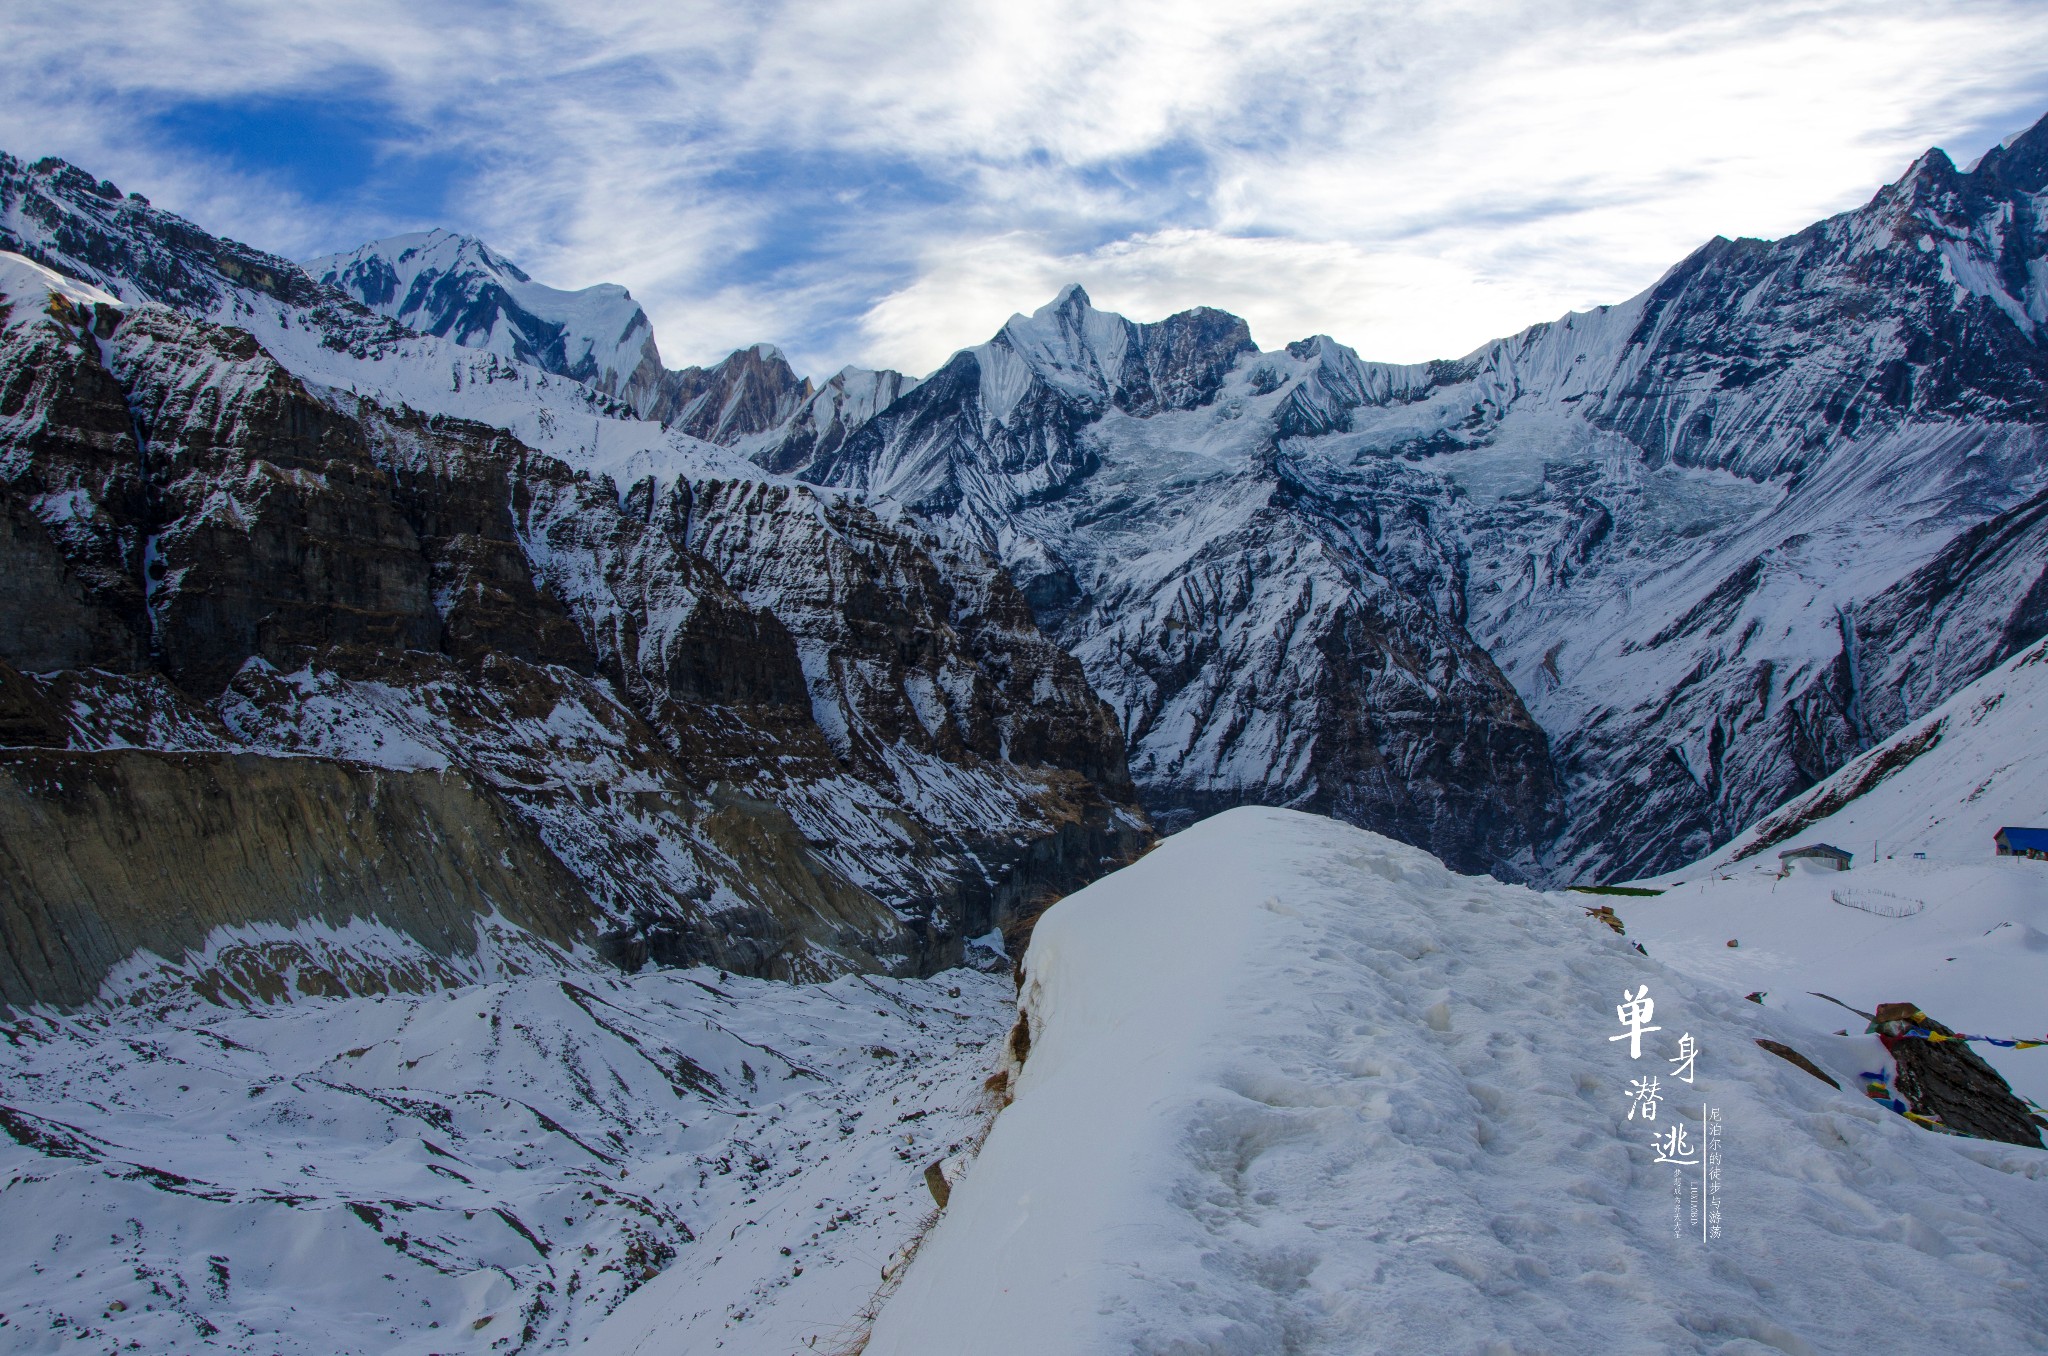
(1099, 359)
(456, 287)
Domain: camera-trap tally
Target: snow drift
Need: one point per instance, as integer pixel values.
(1295, 1087)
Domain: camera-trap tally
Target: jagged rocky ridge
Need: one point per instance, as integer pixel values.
(693, 719)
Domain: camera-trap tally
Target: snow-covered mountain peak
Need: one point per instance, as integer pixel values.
(1069, 306)
(438, 248)
(456, 287)
(1099, 359)
(1067, 344)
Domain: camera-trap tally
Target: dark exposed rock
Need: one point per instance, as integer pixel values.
(458, 486)
(75, 506)
(1982, 599)
(1181, 361)
(750, 391)
(27, 717)
(275, 535)
(1949, 1082)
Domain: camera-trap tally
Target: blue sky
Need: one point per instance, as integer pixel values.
(885, 181)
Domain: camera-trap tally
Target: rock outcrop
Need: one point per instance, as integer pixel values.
(1947, 1083)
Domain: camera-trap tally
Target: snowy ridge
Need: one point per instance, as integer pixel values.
(1357, 1102)
(56, 215)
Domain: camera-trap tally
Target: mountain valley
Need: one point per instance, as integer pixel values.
(457, 773)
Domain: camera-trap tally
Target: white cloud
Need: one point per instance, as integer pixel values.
(888, 181)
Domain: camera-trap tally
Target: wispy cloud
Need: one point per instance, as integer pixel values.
(883, 182)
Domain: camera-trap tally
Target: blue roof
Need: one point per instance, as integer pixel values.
(2026, 840)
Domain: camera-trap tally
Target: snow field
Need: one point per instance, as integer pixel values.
(24, 282)
(491, 1168)
(1295, 1087)
(1970, 954)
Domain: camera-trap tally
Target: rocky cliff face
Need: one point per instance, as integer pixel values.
(747, 393)
(248, 878)
(724, 721)
(1749, 533)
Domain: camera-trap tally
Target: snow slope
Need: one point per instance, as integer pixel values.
(1349, 1101)
(1940, 786)
(483, 1169)
(24, 280)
